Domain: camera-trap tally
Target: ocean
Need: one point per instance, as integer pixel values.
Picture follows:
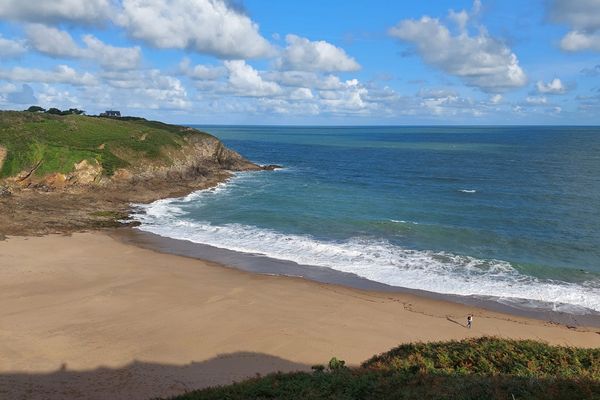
(508, 213)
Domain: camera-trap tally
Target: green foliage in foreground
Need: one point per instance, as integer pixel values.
(54, 143)
(485, 368)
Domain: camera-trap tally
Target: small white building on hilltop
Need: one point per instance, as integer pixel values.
(111, 113)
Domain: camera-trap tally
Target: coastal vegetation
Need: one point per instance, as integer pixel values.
(62, 171)
(484, 368)
(52, 142)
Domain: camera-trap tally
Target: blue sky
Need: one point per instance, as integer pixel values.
(307, 62)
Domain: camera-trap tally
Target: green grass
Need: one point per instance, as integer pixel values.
(485, 368)
(110, 214)
(58, 142)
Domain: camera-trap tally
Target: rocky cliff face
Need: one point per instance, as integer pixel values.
(89, 198)
(199, 157)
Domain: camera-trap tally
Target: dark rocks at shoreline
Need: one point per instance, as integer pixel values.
(271, 167)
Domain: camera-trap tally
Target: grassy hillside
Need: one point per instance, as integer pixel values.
(484, 368)
(55, 143)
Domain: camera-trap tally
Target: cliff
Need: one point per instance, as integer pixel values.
(39, 149)
(74, 172)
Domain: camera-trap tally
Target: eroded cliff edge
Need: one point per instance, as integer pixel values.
(60, 174)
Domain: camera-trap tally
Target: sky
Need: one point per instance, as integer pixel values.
(362, 62)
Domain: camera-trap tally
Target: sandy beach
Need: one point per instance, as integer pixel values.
(87, 316)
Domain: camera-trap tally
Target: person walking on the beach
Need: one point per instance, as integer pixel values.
(469, 321)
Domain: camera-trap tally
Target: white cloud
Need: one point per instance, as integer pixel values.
(351, 99)
(579, 41)
(305, 55)
(52, 11)
(56, 43)
(54, 97)
(246, 81)
(444, 102)
(201, 72)
(496, 99)
(52, 41)
(139, 89)
(285, 107)
(301, 94)
(60, 74)
(205, 26)
(583, 18)
(305, 79)
(536, 100)
(479, 60)
(23, 96)
(11, 48)
(553, 87)
(111, 57)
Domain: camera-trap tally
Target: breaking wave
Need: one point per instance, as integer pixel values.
(376, 260)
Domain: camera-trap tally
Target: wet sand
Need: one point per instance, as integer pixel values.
(88, 316)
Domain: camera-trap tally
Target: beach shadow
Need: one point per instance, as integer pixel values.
(456, 322)
(141, 380)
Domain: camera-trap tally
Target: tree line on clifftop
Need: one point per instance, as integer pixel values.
(55, 111)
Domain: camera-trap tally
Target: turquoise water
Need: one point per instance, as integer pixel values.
(508, 212)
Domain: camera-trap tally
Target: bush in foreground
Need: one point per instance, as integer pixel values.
(485, 368)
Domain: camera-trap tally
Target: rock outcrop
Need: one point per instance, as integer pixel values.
(91, 195)
(200, 156)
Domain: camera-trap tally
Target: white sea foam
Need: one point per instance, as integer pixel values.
(376, 260)
(468, 190)
(401, 221)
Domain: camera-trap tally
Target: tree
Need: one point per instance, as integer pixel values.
(36, 109)
(54, 111)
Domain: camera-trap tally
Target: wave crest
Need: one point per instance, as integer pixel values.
(376, 260)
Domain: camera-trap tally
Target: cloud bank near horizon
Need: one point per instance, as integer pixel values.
(210, 58)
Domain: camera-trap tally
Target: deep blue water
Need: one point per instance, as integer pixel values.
(509, 212)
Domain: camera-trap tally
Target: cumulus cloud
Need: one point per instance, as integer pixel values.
(60, 74)
(201, 72)
(305, 79)
(23, 96)
(73, 11)
(52, 41)
(305, 55)
(111, 57)
(579, 41)
(301, 94)
(11, 48)
(536, 100)
(583, 18)
(205, 26)
(150, 89)
(553, 87)
(286, 107)
(496, 99)
(479, 60)
(350, 99)
(51, 96)
(246, 81)
(57, 43)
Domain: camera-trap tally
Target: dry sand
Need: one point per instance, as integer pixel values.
(87, 316)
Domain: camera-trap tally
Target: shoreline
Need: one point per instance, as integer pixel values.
(93, 309)
(260, 264)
